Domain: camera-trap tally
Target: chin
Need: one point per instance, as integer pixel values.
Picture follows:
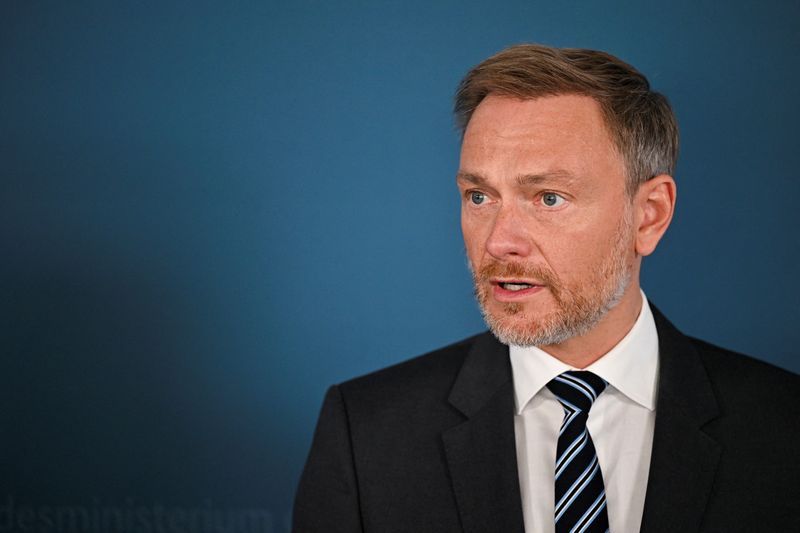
(542, 325)
(515, 326)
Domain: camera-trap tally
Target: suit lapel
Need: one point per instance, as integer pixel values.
(684, 458)
(481, 452)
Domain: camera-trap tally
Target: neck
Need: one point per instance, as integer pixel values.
(580, 352)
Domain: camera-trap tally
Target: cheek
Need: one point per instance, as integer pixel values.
(468, 229)
(572, 256)
(473, 240)
(581, 253)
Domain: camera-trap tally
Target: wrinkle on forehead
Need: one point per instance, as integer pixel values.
(540, 136)
(502, 118)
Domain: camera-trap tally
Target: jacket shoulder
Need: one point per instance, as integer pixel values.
(743, 383)
(437, 368)
(743, 369)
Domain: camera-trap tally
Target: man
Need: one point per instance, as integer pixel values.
(584, 409)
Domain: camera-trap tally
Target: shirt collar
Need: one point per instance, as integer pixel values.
(631, 366)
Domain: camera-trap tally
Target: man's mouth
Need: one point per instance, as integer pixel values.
(514, 290)
(515, 285)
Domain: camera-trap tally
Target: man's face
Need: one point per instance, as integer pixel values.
(546, 220)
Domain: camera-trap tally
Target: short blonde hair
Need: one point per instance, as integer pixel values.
(641, 121)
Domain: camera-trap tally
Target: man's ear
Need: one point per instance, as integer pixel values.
(655, 204)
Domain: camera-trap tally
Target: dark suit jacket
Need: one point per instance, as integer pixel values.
(428, 445)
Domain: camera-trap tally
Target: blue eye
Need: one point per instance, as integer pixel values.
(551, 199)
(477, 198)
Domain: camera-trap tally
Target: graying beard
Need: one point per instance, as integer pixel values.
(558, 333)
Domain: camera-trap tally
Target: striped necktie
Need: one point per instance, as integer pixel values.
(580, 495)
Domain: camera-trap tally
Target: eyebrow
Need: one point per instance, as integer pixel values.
(471, 178)
(558, 176)
(561, 176)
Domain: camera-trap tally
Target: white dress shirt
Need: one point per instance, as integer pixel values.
(620, 423)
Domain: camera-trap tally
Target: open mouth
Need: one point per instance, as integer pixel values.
(515, 285)
(515, 290)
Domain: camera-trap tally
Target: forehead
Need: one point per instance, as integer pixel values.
(563, 131)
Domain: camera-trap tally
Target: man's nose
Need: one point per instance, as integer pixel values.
(509, 238)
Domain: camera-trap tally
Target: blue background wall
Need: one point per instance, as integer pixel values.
(209, 212)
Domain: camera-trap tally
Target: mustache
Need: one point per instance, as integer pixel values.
(515, 269)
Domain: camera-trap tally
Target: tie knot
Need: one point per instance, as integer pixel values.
(577, 390)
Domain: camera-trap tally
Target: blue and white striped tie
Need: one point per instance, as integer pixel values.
(580, 494)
